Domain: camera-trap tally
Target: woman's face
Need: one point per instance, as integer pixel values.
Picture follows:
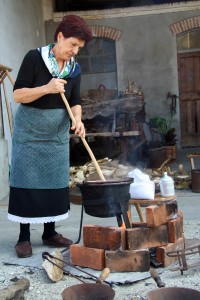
(67, 47)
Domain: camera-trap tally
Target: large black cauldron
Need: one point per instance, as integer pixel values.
(105, 199)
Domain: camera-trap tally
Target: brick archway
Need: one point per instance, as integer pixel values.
(106, 32)
(185, 25)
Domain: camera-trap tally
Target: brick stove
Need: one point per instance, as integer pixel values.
(128, 249)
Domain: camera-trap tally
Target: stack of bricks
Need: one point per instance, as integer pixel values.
(127, 250)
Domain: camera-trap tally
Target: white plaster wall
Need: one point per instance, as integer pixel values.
(22, 29)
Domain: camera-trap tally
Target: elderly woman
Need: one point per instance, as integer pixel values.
(39, 175)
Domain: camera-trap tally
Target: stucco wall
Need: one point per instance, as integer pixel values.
(22, 28)
(146, 54)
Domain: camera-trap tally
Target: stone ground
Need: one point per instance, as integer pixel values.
(42, 288)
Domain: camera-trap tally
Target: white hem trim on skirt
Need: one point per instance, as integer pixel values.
(37, 220)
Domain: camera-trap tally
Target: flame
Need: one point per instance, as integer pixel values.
(123, 226)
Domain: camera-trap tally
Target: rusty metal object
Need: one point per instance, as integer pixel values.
(52, 259)
(88, 291)
(173, 293)
(195, 181)
(182, 254)
(85, 291)
(156, 277)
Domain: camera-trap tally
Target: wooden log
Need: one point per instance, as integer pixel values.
(15, 290)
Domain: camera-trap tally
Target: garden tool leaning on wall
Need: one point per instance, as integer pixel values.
(5, 72)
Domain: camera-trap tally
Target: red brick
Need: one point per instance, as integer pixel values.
(141, 237)
(103, 237)
(87, 257)
(161, 252)
(128, 261)
(157, 215)
(175, 228)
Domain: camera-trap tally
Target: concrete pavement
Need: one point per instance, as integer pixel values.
(188, 203)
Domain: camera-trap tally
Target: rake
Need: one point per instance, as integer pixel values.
(5, 72)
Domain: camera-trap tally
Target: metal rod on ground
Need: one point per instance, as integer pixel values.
(83, 139)
(156, 277)
(104, 273)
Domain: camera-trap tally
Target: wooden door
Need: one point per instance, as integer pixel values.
(189, 96)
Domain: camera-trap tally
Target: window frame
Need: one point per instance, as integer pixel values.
(95, 59)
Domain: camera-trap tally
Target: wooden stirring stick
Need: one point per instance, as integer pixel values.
(83, 139)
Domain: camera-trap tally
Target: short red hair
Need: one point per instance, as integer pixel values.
(73, 26)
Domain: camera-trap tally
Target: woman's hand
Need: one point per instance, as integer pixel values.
(79, 128)
(27, 95)
(56, 85)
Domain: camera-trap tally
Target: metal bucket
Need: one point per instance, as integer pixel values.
(196, 181)
(88, 291)
(157, 157)
(173, 293)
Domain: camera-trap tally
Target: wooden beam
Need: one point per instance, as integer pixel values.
(110, 134)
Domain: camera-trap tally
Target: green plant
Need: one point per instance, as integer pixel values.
(167, 133)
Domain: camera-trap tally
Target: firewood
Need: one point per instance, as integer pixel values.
(54, 272)
(110, 169)
(15, 290)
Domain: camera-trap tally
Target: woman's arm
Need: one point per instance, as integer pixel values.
(27, 95)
